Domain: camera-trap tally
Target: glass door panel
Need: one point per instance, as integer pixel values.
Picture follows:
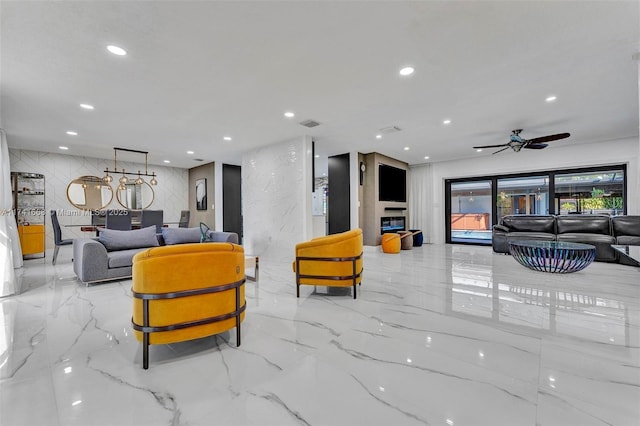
(471, 212)
(523, 195)
(595, 192)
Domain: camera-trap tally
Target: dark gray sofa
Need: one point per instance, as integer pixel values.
(104, 259)
(598, 230)
(626, 229)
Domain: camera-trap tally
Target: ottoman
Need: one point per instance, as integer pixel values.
(406, 238)
(391, 243)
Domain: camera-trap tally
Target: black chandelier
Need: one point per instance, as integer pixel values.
(124, 179)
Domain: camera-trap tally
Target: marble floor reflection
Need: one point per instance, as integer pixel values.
(440, 335)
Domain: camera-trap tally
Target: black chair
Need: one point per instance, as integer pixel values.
(57, 236)
(152, 217)
(118, 219)
(184, 219)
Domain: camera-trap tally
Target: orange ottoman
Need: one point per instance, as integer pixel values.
(390, 243)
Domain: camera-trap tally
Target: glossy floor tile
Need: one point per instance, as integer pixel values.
(440, 335)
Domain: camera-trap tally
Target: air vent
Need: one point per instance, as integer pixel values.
(309, 123)
(390, 129)
(198, 159)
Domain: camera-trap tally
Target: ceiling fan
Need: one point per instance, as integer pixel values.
(517, 143)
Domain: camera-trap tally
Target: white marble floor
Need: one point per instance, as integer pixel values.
(440, 335)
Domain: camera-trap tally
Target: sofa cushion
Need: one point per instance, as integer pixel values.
(626, 225)
(538, 236)
(530, 223)
(122, 258)
(583, 224)
(628, 240)
(113, 239)
(180, 235)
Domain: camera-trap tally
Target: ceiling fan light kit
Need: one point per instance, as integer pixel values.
(516, 142)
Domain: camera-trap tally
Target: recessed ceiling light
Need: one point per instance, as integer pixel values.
(227, 138)
(72, 133)
(378, 136)
(406, 71)
(478, 150)
(64, 148)
(406, 148)
(190, 152)
(86, 106)
(289, 114)
(317, 156)
(426, 157)
(447, 121)
(551, 98)
(116, 50)
(167, 161)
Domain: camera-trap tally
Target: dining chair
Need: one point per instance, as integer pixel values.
(118, 219)
(57, 236)
(152, 217)
(184, 219)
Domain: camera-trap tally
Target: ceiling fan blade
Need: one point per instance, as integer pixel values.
(536, 145)
(549, 138)
(500, 150)
(491, 146)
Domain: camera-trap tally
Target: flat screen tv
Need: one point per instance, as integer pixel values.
(392, 183)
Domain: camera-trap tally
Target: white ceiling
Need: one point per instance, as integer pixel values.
(197, 71)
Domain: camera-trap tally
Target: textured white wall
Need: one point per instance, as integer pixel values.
(171, 194)
(276, 198)
(624, 151)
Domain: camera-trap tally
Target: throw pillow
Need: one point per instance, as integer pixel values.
(113, 239)
(180, 235)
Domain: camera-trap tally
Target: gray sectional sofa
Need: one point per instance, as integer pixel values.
(110, 256)
(598, 230)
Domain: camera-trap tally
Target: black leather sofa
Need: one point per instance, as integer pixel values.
(597, 230)
(626, 229)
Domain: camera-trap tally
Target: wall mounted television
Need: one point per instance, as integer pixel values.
(392, 183)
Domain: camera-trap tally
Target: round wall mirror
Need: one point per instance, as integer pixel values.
(89, 193)
(135, 197)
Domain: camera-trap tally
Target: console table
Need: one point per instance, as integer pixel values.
(552, 256)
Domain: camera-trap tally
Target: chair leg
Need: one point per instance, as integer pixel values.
(354, 291)
(297, 290)
(55, 255)
(145, 351)
(145, 335)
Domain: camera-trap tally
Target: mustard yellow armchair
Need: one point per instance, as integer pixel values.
(332, 261)
(187, 291)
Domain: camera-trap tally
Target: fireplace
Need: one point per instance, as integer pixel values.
(392, 224)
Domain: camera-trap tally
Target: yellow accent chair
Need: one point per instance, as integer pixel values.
(332, 261)
(391, 243)
(187, 291)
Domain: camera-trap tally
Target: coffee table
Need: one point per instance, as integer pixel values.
(552, 256)
(629, 252)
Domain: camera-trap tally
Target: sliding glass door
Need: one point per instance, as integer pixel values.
(522, 195)
(474, 205)
(590, 192)
(470, 219)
